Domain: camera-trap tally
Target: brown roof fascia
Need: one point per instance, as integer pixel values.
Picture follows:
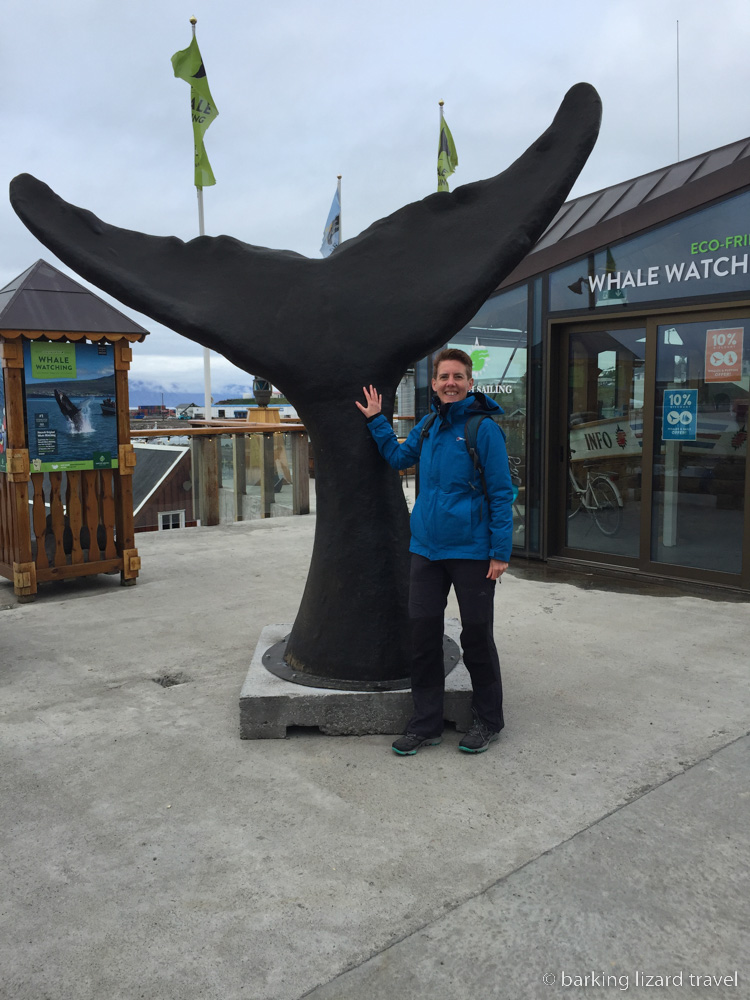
(72, 335)
(660, 210)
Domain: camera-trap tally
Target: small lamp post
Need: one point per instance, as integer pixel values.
(262, 391)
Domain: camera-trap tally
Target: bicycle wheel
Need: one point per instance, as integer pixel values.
(606, 510)
(575, 501)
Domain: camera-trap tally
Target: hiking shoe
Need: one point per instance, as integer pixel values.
(478, 738)
(409, 743)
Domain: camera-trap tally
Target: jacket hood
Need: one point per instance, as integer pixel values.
(475, 402)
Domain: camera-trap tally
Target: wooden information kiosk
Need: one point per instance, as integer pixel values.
(66, 461)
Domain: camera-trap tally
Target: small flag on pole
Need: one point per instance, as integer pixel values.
(447, 160)
(188, 66)
(332, 231)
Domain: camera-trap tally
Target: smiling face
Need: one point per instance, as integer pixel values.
(453, 382)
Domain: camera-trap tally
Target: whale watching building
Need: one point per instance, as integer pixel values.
(620, 351)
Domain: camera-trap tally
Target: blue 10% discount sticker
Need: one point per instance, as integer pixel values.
(680, 420)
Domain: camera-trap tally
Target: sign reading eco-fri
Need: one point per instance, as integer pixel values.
(70, 406)
(611, 283)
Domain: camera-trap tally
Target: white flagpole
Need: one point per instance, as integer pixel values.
(338, 195)
(206, 351)
(440, 133)
(678, 91)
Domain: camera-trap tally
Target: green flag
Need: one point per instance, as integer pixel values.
(447, 160)
(188, 66)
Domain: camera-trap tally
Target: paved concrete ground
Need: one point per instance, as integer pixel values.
(149, 853)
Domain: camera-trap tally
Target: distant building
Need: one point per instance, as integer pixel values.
(148, 410)
(162, 487)
(232, 411)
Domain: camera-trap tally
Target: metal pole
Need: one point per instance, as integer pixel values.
(338, 195)
(206, 351)
(678, 90)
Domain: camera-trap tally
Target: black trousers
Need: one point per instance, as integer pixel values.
(429, 584)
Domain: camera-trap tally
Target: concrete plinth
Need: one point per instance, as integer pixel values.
(269, 705)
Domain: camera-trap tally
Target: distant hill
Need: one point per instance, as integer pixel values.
(144, 394)
(141, 395)
(102, 386)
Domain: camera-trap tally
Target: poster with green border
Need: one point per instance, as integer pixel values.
(71, 417)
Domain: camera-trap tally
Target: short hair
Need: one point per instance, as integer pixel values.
(452, 354)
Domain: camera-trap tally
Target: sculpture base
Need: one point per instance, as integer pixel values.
(273, 660)
(269, 705)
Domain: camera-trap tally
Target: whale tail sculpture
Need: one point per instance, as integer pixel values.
(320, 330)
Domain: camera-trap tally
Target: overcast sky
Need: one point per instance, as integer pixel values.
(307, 90)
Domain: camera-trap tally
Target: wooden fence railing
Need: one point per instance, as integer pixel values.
(205, 442)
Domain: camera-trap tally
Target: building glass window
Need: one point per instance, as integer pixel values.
(496, 340)
(700, 444)
(605, 431)
(536, 407)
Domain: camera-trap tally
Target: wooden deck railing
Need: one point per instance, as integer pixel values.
(205, 438)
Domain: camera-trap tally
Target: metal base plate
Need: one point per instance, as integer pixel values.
(273, 660)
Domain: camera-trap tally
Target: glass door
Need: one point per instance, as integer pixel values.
(604, 418)
(700, 444)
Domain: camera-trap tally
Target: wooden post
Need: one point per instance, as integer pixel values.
(300, 474)
(210, 480)
(238, 474)
(196, 459)
(131, 562)
(267, 475)
(18, 475)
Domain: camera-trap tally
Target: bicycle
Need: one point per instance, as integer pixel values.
(600, 498)
(514, 464)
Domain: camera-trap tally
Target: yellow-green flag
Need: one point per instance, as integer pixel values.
(188, 66)
(447, 160)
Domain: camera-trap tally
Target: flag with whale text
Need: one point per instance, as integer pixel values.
(447, 160)
(188, 66)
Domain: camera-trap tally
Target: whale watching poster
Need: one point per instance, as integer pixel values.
(71, 414)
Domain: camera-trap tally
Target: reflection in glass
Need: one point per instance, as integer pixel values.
(700, 450)
(605, 430)
(496, 339)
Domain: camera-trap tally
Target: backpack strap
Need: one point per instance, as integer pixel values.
(471, 430)
(431, 417)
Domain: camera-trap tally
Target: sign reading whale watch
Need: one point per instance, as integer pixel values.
(71, 418)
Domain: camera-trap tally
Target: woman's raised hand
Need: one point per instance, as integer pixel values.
(373, 402)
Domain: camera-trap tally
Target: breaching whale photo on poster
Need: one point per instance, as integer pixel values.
(70, 406)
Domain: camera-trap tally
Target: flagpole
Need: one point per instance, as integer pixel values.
(338, 195)
(678, 91)
(206, 351)
(440, 134)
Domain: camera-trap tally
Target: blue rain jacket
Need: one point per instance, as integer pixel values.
(451, 519)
